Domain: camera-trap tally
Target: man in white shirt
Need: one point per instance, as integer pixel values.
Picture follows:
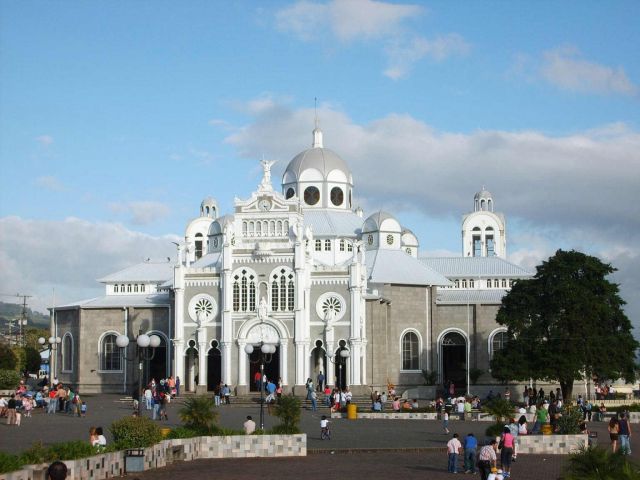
(249, 426)
(453, 450)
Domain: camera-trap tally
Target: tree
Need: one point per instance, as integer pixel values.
(32, 360)
(564, 323)
(8, 359)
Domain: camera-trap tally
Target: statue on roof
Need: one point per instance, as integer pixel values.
(265, 184)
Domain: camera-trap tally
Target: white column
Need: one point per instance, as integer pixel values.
(178, 355)
(226, 361)
(202, 357)
(363, 354)
(354, 360)
(242, 364)
(331, 367)
(284, 359)
(300, 360)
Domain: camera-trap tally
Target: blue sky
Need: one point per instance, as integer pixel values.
(117, 118)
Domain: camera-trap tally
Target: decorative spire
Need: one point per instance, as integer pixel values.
(317, 133)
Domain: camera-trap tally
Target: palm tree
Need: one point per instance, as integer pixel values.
(199, 413)
(600, 464)
(289, 413)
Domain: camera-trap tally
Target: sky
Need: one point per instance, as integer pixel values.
(117, 118)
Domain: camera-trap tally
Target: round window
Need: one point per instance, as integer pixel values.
(290, 192)
(337, 196)
(311, 195)
(389, 239)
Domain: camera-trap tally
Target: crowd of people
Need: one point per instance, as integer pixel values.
(156, 396)
(52, 398)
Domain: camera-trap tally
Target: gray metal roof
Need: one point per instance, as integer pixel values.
(121, 301)
(210, 260)
(398, 267)
(374, 221)
(142, 272)
(333, 223)
(462, 267)
(448, 296)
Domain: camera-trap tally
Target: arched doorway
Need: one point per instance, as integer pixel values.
(454, 360)
(191, 367)
(156, 367)
(214, 366)
(318, 361)
(271, 366)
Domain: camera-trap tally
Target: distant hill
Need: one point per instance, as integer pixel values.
(9, 311)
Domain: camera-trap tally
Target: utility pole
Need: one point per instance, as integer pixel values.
(19, 340)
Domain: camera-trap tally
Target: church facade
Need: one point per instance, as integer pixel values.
(302, 270)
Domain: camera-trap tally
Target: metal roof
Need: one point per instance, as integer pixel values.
(448, 296)
(210, 260)
(452, 267)
(333, 223)
(121, 301)
(142, 272)
(398, 267)
(321, 159)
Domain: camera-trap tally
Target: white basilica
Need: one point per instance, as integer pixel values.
(299, 268)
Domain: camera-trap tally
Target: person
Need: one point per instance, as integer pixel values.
(164, 403)
(57, 471)
(414, 404)
(148, 398)
(496, 474)
(601, 411)
(324, 428)
(327, 396)
(216, 395)
(93, 437)
(257, 380)
(102, 440)
(541, 418)
(514, 429)
(624, 432)
(377, 405)
(271, 392)
(522, 426)
(445, 421)
(314, 401)
(177, 386)
(487, 459)
(249, 426)
(460, 409)
(470, 448)
(157, 401)
(613, 429)
(395, 405)
(226, 393)
(53, 402)
(453, 450)
(320, 381)
(506, 454)
(11, 411)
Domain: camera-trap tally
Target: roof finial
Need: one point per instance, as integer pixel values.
(317, 133)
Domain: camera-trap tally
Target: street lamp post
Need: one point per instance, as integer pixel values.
(52, 342)
(266, 352)
(340, 360)
(145, 349)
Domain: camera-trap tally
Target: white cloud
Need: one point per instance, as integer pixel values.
(37, 256)
(403, 55)
(44, 140)
(370, 21)
(50, 182)
(564, 68)
(347, 20)
(142, 212)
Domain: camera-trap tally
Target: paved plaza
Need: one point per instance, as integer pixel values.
(409, 448)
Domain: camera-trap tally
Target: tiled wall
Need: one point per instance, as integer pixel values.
(550, 444)
(166, 452)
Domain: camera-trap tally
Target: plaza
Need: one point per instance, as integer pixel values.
(410, 448)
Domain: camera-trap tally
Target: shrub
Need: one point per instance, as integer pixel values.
(499, 407)
(70, 450)
(430, 377)
(9, 463)
(570, 420)
(219, 431)
(135, 432)
(199, 413)
(475, 374)
(634, 407)
(183, 432)
(283, 429)
(494, 430)
(9, 379)
(37, 453)
(599, 463)
(288, 411)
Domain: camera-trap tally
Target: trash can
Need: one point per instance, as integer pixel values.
(165, 432)
(134, 460)
(352, 411)
(547, 429)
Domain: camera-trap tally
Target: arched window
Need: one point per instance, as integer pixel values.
(464, 283)
(128, 288)
(342, 245)
(457, 283)
(244, 291)
(471, 283)
(282, 290)
(142, 288)
(199, 239)
(497, 342)
(115, 288)
(135, 288)
(110, 359)
(318, 245)
(489, 283)
(327, 245)
(410, 351)
(67, 352)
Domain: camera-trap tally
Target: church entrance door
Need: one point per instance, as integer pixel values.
(214, 366)
(454, 361)
(156, 366)
(271, 366)
(191, 369)
(318, 363)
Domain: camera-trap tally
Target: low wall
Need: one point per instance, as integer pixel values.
(109, 465)
(551, 444)
(470, 417)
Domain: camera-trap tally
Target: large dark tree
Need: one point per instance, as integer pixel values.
(564, 323)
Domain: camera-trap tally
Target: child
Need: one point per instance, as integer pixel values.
(324, 428)
(83, 409)
(445, 422)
